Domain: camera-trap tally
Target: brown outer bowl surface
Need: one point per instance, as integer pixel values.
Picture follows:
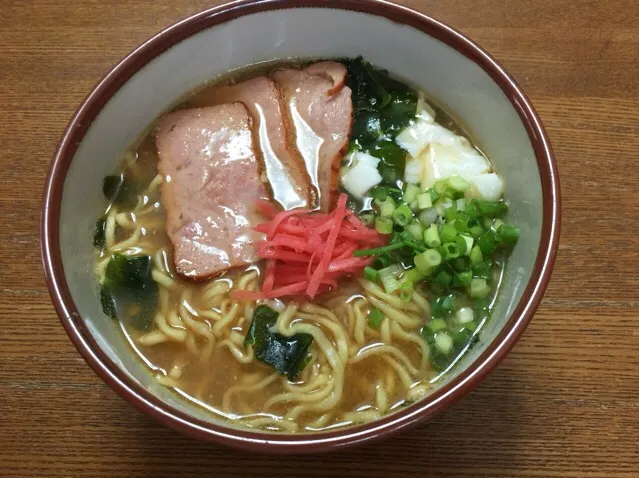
(323, 441)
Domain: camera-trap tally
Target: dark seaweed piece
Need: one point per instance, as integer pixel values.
(288, 355)
(363, 91)
(374, 91)
(382, 107)
(461, 337)
(393, 161)
(378, 87)
(366, 128)
(108, 301)
(439, 360)
(389, 152)
(263, 317)
(399, 112)
(443, 306)
(120, 190)
(111, 186)
(128, 291)
(99, 239)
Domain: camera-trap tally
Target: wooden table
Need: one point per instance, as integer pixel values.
(564, 403)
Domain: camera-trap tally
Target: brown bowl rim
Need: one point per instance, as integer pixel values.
(322, 441)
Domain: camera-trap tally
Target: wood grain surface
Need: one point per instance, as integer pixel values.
(565, 403)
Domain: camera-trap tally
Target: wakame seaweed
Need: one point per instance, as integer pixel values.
(382, 107)
(288, 355)
(99, 235)
(128, 291)
(391, 168)
(120, 190)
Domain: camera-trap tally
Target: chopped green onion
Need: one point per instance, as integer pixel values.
(465, 278)
(459, 264)
(489, 208)
(371, 274)
(450, 214)
(388, 276)
(464, 315)
(458, 183)
(411, 192)
(390, 283)
(402, 215)
(413, 275)
(479, 288)
(449, 302)
(384, 225)
(379, 193)
(476, 256)
(442, 206)
(428, 216)
(483, 269)
(462, 245)
(461, 336)
(452, 250)
(427, 260)
(414, 245)
(431, 236)
(378, 250)
(476, 231)
(460, 204)
(406, 290)
(440, 186)
(443, 342)
(375, 318)
(413, 205)
(424, 201)
(471, 210)
(443, 278)
(447, 233)
(427, 335)
(487, 242)
(461, 222)
(508, 234)
(437, 325)
(434, 195)
(386, 207)
(497, 223)
(416, 230)
(383, 260)
(469, 243)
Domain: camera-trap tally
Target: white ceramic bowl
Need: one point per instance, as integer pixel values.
(455, 73)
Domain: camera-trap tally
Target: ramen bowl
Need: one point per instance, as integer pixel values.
(454, 71)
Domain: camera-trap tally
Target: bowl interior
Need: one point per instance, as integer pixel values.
(451, 79)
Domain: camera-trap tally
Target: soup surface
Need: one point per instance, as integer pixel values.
(302, 246)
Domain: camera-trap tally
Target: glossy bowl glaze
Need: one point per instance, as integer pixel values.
(456, 74)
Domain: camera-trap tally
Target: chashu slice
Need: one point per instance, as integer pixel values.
(319, 107)
(212, 182)
(285, 169)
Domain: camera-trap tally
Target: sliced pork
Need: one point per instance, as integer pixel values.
(284, 166)
(212, 182)
(320, 108)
